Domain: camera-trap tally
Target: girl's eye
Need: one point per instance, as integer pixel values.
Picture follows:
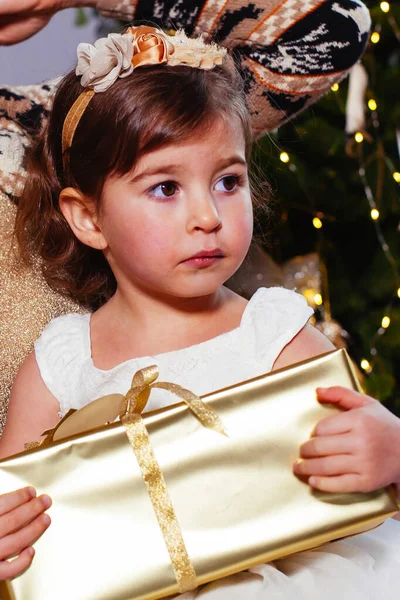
(229, 183)
(167, 189)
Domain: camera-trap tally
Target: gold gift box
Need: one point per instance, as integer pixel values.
(235, 499)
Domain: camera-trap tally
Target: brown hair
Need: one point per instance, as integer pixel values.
(149, 109)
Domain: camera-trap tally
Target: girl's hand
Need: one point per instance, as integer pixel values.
(22, 522)
(354, 451)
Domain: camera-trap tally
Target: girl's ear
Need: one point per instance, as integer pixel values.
(80, 212)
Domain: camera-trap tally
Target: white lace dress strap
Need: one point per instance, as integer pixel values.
(274, 317)
(61, 353)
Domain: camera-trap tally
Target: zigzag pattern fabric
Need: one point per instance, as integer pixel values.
(290, 51)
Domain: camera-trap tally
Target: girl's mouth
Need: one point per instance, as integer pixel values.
(204, 258)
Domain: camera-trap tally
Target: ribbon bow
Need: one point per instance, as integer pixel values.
(134, 402)
(142, 383)
(131, 407)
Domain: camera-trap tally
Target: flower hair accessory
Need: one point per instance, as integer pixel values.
(117, 55)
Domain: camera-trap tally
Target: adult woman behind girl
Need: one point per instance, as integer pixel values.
(139, 203)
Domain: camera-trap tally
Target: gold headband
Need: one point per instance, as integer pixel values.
(119, 54)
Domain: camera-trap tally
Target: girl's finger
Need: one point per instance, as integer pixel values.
(22, 515)
(327, 445)
(343, 484)
(344, 397)
(11, 569)
(14, 543)
(327, 466)
(14, 499)
(334, 425)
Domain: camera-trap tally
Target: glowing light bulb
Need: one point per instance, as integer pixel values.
(359, 137)
(375, 37)
(385, 322)
(335, 87)
(385, 6)
(284, 156)
(317, 222)
(374, 214)
(398, 292)
(372, 105)
(318, 299)
(396, 176)
(309, 294)
(365, 365)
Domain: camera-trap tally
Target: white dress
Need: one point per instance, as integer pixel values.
(363, 567)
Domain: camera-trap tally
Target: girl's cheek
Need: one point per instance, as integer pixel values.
(154, 239)
(245, 223)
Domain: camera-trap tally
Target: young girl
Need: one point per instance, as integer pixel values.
(139, 204)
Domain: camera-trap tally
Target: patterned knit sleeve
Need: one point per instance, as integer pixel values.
(22, 110)
(290, 51)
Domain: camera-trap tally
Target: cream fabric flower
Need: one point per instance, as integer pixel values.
(119, 54)
(101, 65)
(195, 52)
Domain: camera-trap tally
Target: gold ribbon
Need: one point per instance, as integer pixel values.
(49, 434)
(73, 117)
(132, 405)
(142, 383)
(138, 436)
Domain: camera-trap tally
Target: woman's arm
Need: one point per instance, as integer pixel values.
(290, 52)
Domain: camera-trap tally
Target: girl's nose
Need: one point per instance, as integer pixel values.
(204, 216)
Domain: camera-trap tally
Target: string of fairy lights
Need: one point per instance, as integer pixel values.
(367, 364)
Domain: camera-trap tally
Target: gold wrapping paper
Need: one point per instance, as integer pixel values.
(235, 497)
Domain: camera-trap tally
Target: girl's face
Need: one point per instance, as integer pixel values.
(180, 224)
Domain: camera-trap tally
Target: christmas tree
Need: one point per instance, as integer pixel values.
(337, 194)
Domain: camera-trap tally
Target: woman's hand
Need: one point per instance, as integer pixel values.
(22, 522)
(355, 451)
(20, 19)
